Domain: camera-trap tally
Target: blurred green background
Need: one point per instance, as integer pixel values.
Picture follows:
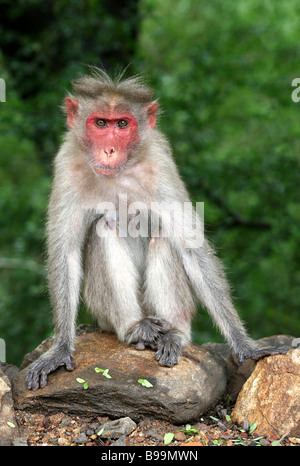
(222, 71)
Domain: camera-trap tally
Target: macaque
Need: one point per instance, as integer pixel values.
(113, 173)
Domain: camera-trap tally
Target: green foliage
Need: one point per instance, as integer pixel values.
(23, 197)
(223, 71)
(145, 383)
(43, 46)
(168, 438)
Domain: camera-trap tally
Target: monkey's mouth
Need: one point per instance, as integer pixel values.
(106, 170)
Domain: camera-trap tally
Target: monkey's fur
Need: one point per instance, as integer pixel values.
(143, 289)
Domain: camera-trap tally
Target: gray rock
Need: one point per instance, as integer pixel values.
(9, 370)
(121, 442)
(80, 439)
(20, 442)
(179, 394)
(114, 429)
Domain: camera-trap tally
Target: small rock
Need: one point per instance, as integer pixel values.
(264, 442)
(180, 436)
(95, 426)
(294, 440)
(155, 434)
(121, 442)
(20, 442)
(114, 429)
(65, 421)
(80, 438)
(63, 442)
(192, 444)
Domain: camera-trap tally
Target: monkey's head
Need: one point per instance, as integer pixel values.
(110, 118)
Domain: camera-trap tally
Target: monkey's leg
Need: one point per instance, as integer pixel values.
(112, 281)
(209, 282)
(168, 297)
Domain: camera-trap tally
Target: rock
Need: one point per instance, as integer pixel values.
(239, 373)
(114, 429)
(63, 442)
(20, 442)
(121, 442)
(9, 370)
(271, 396)
(80, 439)
(8, 424)
(180, 436)
(179, 394)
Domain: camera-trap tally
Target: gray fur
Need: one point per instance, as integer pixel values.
(143, 289)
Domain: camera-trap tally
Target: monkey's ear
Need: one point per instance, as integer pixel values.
(71, 110)
(152, 114)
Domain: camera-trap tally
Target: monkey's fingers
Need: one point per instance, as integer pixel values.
(140, 346)
(36, 379)
(168, 349)
(38, 372)
(147, 332)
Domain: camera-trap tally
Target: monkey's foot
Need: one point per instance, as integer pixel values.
(147, 332)
(260, 352)
(168, 349)
(39, 370)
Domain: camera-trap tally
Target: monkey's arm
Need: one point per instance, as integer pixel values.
(66, 230)
(207, 278)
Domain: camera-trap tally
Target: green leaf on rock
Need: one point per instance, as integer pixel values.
(168, 438)
(145, 383)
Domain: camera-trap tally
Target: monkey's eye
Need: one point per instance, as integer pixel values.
(122, 123)
(101, 123)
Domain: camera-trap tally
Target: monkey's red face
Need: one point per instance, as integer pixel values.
(110, 136)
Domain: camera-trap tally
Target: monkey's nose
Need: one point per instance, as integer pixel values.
(109, 150)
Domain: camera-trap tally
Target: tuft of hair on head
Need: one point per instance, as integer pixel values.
(98, 82)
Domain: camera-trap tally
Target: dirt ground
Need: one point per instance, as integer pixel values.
(213, 429)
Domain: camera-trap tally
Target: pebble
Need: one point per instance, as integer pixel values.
(62, 442)
(264, 442)
(65, 422)
(180, 436)
(80, 438)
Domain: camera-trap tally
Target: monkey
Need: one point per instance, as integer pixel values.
(142, 287)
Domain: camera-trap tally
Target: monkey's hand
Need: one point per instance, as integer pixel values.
(168, 349)
(38, 371)
(147, 332)
(257, 353)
